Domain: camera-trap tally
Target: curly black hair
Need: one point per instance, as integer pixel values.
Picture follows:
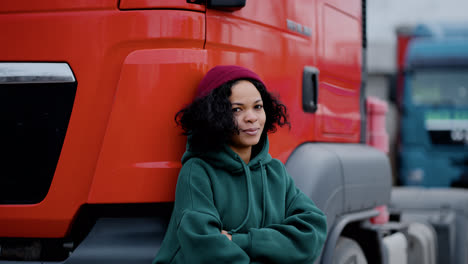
(210, 122)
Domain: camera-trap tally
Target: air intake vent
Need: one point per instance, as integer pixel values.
(35, 106)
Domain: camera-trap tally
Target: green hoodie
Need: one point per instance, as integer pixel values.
(271, 221)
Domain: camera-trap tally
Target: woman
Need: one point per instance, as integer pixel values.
(234, 203)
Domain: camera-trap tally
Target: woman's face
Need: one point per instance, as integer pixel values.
(249, 115)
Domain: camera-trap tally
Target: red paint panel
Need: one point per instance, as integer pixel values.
(155, 4)
(96, 57)
(143, 146)
(343, 117)
(55, 5)
(352, 7)
(341, 49)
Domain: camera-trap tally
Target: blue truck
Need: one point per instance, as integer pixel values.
(432, 95)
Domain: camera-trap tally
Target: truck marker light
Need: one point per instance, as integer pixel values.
(383, 216)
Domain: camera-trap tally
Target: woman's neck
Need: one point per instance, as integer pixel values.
(244, 153)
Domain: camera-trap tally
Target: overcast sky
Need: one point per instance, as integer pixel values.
(385, 15)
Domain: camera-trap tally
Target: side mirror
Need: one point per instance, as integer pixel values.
(226, 5)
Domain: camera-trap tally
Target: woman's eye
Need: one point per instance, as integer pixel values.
(258, 106)
(237, 109)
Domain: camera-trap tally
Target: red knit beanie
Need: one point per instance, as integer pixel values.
(219, 75)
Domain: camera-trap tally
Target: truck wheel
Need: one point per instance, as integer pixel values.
(347, 251)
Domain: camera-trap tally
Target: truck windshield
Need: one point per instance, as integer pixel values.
(448, 87)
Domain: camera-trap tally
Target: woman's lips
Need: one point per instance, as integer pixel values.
(251, 131)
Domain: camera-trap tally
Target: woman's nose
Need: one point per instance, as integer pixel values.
(250, 116)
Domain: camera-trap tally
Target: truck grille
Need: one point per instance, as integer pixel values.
(36, 101)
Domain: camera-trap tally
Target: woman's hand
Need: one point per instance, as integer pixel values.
(224, 232)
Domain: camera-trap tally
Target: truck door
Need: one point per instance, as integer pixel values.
(339, 59)
(276, 39)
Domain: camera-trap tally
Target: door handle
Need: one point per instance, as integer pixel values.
(310, 83)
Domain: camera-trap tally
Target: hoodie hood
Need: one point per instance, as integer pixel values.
(227, 159)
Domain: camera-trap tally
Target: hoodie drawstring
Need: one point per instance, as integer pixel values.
(249, 197)
(262, 168)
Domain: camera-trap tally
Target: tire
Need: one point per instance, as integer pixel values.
(348, 251)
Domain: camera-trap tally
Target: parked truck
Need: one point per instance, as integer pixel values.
(431, 95)
(432, 92)
(91, 152)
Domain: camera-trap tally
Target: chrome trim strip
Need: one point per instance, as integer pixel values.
(35, 72)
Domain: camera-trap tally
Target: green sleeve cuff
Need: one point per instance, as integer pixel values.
(242, 240)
